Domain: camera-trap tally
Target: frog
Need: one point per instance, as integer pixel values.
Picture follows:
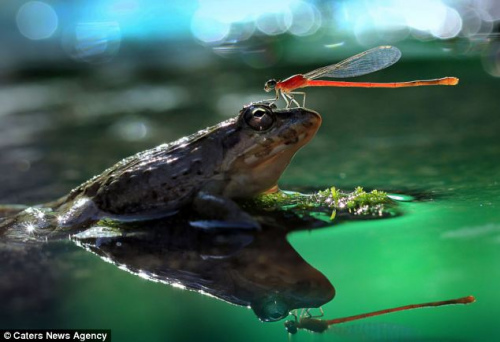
(208, 172)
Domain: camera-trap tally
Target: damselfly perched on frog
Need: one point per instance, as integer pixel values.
(363, 63)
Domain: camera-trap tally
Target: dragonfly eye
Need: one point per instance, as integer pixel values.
(271, 84)
(259, 118)
(291, 327)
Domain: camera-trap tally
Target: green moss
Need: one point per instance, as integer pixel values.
(358, 202)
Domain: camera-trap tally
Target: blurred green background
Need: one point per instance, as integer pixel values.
(86, 83)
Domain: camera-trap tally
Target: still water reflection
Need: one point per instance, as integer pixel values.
(260, 269)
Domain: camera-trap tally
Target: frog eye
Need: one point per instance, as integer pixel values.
(259, 118)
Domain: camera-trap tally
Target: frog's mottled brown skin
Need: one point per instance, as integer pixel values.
(238, 158)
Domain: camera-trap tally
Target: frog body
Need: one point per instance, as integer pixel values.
(239, 158)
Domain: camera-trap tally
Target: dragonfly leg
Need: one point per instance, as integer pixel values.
(307, 313)
(301, 314)
(294, 101)
(289, 98)
(286, 98)
(269, 101)
(303, 99)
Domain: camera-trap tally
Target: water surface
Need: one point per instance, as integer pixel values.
(438, 144)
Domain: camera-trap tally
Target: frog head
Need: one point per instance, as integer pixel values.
(261, 145)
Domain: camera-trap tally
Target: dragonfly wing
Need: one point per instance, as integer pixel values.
(361, 64)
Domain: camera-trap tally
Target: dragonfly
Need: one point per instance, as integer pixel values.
(307, 322)
(363, 63)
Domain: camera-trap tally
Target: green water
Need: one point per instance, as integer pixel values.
(438, 144)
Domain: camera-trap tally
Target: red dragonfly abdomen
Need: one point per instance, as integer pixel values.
(440, 81)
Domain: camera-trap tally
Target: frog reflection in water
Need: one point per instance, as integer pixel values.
(256, 269)
(238, 158)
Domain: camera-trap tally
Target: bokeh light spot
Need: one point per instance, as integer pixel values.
(364, 31)
(275, 23)
(450, 25)
(425, 15)
(130, 128)
(491, 59)
(208, 29)
(37, 20)
(93, 42)
(306, 19)
(471, 23)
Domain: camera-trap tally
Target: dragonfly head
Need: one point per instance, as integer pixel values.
(270, 85)
(291, 326)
